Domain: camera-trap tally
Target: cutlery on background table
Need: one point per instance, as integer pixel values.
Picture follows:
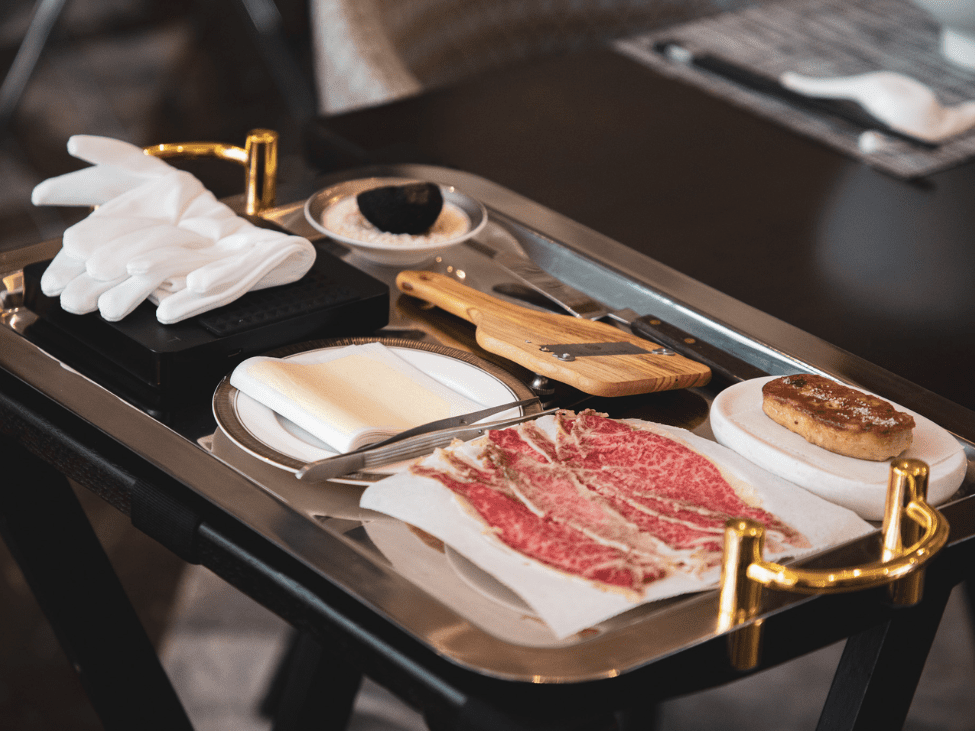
(581, 305)
(845, 109)
(594, 357)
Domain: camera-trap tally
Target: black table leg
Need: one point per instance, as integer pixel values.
(50, 537)
(969, 590)
(317, 688)
(880, 669)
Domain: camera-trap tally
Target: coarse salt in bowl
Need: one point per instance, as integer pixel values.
(335, 212)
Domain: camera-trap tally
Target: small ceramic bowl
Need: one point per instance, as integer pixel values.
(334, 212)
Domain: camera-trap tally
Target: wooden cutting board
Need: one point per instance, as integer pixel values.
(592, 356)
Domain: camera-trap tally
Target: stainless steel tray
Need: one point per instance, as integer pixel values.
(393, 570)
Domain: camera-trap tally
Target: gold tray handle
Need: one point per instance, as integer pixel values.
(259, 158)
(744, 572)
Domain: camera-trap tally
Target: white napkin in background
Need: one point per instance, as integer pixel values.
(349, 397)
(158, 233)
(903, 103)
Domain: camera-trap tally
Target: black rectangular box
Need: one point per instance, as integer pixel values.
(158, 366)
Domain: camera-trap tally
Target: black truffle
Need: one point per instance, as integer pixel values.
(402, 209)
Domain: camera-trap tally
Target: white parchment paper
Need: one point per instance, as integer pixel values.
(569, 604)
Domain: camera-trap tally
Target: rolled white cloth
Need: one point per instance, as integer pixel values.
(157, 233)
(349, 397)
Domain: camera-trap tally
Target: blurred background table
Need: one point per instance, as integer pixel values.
(875, 264)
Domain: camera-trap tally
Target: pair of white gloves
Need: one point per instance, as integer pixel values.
(158, 234)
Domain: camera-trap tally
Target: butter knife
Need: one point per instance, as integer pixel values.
(406, 448)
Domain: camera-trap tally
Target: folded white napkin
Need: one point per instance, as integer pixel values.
(157, 233)
(349, 397)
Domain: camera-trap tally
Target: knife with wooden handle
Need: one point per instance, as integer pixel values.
(593, 357)
(729, 367)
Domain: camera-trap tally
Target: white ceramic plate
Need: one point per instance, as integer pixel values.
(738, 422)
(407, 251)
(270, 437)
(431, 568)
(481, 581)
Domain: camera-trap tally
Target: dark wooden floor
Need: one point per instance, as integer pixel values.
(38, 689)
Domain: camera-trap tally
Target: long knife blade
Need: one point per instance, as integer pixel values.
(440, 425)
(722, 364)
(416, 446)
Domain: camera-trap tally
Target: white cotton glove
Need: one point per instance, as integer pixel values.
(117, 167)
(157, 234)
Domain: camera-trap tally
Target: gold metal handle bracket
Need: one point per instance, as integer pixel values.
(905, 550)
(259, 158)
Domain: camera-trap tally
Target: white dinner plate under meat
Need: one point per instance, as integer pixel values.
(480, 580)
(739, 423)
